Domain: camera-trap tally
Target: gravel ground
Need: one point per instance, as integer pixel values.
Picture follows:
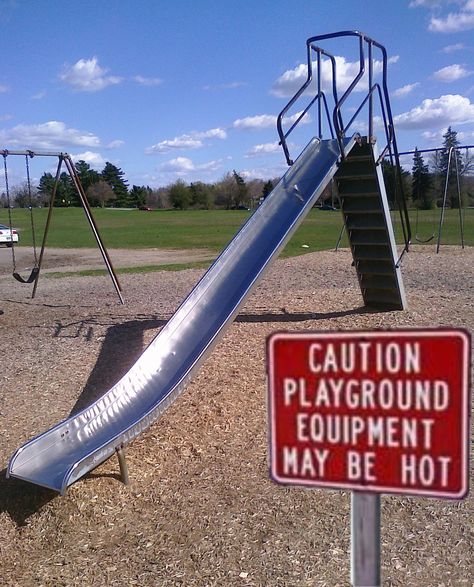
(201, 510)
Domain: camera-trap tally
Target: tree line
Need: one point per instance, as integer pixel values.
(423, 187)
(109, 188)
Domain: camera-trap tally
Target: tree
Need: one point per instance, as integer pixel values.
(395, 191)
(200, 195)
(421, 183)
(100, 193)
(446, 166)
(138, 195)
(241, 193)
(87, 175)
(180, 195)
(225, 191)
(114, 177)
(267, 188)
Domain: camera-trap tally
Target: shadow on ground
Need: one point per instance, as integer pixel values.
(122, 345)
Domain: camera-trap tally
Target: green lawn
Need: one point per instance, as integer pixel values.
(211, 229)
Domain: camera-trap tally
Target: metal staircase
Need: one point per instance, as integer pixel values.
(369, 229)
(359, 178)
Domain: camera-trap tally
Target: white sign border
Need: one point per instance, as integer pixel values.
(465, 337)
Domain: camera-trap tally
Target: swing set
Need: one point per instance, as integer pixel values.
(449, 174)
(449, 171)
(63, 159)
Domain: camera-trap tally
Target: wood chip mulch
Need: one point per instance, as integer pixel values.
(201, 509)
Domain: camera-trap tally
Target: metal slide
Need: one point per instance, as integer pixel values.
(62, 455)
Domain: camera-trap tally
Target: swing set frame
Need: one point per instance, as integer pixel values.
(63, 158)
(449, 170)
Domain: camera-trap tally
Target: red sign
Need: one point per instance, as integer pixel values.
(373, 411)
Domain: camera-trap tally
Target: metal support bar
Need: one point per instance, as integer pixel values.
(123, 465)
(90, 218)
(365, 539)
(48, 222)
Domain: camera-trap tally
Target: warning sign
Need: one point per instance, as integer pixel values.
(374, 411)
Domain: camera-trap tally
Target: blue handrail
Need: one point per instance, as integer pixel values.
(336, 124)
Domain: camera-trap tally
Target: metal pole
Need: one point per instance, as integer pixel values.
(123, 466)
(90, 218)
(441, 218)
(343, 228)
(48, 221)
(365, 539)
(458, 184)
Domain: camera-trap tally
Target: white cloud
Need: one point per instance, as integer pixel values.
(4, 89)
(292, 80)
(229, 86)
(451, 73)
(192, 140)
(438, 112)
(39, 95)
(436, 137)
(49, 135)
(266, 121)
(86, 75)
(263, 149)
(405, 90)
(463, 20)
(147, 81)
(427, 3)
(115, 144)
(183, 166)
(452, 48)
(95, 160)
(255, 122)
(264, 172)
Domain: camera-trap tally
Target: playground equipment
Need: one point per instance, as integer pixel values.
(450, 168)
(63, 454)
(35, 271)
(66, 159)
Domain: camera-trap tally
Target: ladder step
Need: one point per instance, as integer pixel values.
(372, 222)
(368, 204)
(369, 237)
(382, 298)
(384, 282)
(375, 267)
(359, 186)
(378, 253)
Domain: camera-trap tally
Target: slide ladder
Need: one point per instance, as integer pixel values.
(369, 228)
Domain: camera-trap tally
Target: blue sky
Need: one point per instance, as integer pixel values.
(191, 88)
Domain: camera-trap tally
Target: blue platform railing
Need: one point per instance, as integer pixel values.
(335, 123)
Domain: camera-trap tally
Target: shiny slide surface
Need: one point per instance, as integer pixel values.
(62, 455)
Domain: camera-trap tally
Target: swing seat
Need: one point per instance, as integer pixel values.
(33, 276)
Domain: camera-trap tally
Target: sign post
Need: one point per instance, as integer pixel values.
(365, 539)
(373, 412)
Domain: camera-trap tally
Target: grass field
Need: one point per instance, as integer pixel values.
(212, 229)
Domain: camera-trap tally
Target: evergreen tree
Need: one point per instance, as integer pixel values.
(241, 194)
(267, 188)
(66, 194)
(421, 183)
(447, 166)
(392, 186)
(138, 196)
(114, 177)
(87, 175)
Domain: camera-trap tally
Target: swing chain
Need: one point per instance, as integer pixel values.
(10, 219)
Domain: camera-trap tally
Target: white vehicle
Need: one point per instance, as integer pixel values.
(8, 236)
